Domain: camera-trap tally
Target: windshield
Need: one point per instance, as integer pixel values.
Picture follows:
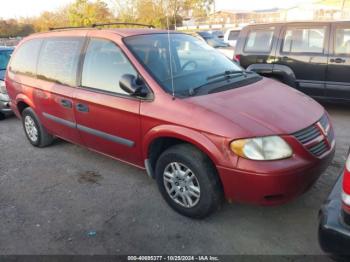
(194, 63)
(5, 56)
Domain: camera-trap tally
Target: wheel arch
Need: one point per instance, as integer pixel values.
(162, 137)
(22, 102)
(284, 73)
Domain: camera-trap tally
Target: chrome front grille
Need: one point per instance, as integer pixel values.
(318, 138)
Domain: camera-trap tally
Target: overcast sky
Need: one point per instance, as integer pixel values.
(27, 8)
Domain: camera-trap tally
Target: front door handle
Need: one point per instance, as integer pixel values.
(337, 60)
(66, 103)
(82, 108)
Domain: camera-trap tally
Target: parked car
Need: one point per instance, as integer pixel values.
(5, 54)
(313, 57)
(334, 229)
(231, 36)
(217, 43)
(168, 103)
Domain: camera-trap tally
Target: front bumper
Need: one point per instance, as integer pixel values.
(333, 232)
(275, 187)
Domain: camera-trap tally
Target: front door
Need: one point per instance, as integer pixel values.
(108, 119)
(304, 50)
(338, 77)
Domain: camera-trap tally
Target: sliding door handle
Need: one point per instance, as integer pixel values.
(82, 108)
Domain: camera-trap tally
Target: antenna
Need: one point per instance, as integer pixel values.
(170, 59)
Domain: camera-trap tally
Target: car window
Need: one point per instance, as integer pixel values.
(25, 58)
(259, 40)
(342, 41)
(5, 56)
(104, 65)
(233, 35)
(59, 58)
(304, 40)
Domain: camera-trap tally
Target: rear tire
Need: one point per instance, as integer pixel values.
(2, 116)
(188, 181)
(34, 130)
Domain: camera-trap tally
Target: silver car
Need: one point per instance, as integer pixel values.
(5, 54)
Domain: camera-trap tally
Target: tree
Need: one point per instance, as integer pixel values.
(86, 13)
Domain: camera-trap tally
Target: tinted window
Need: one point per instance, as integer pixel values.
(259, 40)
(233, 35)
(25, 58)
(104, 65)
(342, 41)
(59, 59)
(4, 58)
(304, 40)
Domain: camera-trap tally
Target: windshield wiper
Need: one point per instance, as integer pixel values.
(228, 74)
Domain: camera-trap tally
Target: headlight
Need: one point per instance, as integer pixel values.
(2, 87)
(262, 148)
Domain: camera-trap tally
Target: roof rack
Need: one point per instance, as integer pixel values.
(98, 25)
(122, 23)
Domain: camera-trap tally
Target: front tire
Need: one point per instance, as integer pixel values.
(34, 130)
(188, 181)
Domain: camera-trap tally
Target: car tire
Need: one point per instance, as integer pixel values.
(197, 194)
(2, 116)
(34, 130)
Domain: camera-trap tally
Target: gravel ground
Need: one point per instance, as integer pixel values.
(65, 199)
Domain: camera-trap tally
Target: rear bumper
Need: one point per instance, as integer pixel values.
(333, 232)
(272, 188)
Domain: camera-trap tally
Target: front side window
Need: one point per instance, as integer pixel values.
(259, 40)
(304, 40)
(5, 56)
(104, 65)
(182, 63)
(59, 58)
(25, 58)
(342, 41)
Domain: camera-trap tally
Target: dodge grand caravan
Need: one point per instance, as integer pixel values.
(166, 102)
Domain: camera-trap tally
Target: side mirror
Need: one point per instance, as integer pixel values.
(133, 85)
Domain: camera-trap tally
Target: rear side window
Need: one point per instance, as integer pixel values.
(259, 40)
(104, 65)
(233, 35)
(25, 58)
(342, 41)
(59, 58)
(304, 40)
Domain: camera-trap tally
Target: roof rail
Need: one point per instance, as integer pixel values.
(122, 23)
(66, 27)
(98, 25)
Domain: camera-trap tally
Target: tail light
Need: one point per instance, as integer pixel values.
(237, 57)
(346, 186)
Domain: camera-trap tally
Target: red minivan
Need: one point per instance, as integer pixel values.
(166, 102)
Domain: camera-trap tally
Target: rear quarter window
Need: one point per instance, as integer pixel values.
(259, 40)
(58, 60)
(25, 58)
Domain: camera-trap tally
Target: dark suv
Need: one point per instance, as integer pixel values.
(313, 57)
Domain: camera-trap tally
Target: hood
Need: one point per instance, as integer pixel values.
(264, 108)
